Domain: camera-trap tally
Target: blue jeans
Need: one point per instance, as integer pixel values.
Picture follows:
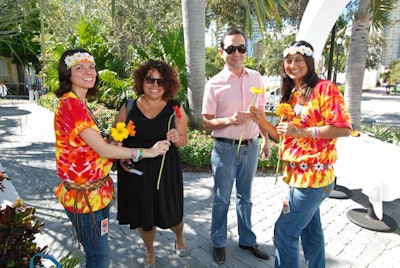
(303, 221)
(95, 245)
(227, 166)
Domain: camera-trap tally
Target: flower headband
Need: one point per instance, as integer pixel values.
(78, 57)
(303, 50)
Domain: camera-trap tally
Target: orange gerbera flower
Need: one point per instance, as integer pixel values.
(131, 128)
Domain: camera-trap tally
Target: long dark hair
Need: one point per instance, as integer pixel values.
(64, 75)
(168, 73)
(309, 80)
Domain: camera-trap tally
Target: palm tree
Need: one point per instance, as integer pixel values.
(194, 24)
(377, 12)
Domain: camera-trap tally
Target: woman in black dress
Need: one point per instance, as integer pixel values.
(142, 203)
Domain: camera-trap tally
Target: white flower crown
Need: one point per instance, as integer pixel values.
(78, 57)
(303, 50)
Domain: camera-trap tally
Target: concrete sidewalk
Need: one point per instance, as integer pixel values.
(27, 152)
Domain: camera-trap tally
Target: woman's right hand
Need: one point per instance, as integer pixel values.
(257, 114)
(159, 148)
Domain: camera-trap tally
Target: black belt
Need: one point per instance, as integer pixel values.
(244, 142)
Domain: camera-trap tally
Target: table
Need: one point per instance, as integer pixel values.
(371, 165)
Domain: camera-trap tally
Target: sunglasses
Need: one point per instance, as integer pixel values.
(150, 80)
(231, 49)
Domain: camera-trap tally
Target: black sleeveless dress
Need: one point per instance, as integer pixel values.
(140, 204)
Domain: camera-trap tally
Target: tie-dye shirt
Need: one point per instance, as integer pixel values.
(76, 161)
(309, 162)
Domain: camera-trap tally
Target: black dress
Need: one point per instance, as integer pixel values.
(140, 204)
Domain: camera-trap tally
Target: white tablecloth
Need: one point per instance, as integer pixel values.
(371, 165)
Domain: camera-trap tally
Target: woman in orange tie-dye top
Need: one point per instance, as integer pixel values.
(84, 158)
(308, 139)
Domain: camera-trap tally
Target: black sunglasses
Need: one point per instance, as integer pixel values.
(231, 49)
(150, 80)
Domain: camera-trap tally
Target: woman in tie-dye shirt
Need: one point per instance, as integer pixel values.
(84, 158)
(308, 151)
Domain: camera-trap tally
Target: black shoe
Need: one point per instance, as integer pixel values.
(219, 255)
(257, 251)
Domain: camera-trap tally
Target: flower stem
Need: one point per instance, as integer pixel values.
(244, 128)
(160, 172)
(163, 158)
(279, 158)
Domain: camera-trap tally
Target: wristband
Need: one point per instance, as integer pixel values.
(137, 154)
(133, 153)
(313, 133)
(317, 133)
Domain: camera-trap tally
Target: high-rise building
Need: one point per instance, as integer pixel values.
(391, 37)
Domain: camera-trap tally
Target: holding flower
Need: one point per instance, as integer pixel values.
(284, 111)
(178, 114)
(256, 92)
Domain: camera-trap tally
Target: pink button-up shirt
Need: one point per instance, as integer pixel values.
(227, 93)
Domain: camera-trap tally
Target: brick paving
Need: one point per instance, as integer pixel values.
(27, 152)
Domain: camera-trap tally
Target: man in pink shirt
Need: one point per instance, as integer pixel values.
(227, 98)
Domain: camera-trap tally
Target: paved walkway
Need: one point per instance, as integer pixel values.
(27, 152)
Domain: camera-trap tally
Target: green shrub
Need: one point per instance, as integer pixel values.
(197, 153)
(272, 160)
(48, 101)
(104, 115)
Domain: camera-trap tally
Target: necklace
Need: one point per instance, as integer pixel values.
(101, 129)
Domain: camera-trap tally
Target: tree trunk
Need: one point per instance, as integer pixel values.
(356, 62)
(193, 14)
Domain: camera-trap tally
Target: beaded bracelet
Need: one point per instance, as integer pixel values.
(137, 154)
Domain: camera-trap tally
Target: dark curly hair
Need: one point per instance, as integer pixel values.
(309, 80)
(64, 75)
(167, 72)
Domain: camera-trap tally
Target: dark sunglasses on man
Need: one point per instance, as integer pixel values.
(232, 49)
(150, 80)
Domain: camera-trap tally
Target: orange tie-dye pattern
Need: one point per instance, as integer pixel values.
(309, 162)
(76, 161)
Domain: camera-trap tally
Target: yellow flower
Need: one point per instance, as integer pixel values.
(257, 91)
(120, 132)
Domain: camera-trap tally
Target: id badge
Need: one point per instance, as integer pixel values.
(104, 226)
(286, 207)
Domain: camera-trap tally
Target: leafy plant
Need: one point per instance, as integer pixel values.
(104, 115)
(380, 132)
(48, 101)
(389, 134)
(70, 261)
(197, 152)
(18, 226)
(114, 90)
